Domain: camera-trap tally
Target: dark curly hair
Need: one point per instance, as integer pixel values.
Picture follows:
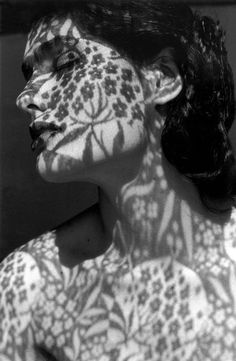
(195, 135)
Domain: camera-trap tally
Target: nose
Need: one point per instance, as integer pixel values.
(30, 102)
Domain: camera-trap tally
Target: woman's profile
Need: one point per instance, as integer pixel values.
(138, 100)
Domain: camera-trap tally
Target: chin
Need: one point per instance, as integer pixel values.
(57, 168)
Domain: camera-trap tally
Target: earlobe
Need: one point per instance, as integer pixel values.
(163, 79)
(168, 89)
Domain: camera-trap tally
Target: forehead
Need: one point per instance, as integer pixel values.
(47, 29)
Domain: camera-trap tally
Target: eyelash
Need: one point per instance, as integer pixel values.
(67, 59)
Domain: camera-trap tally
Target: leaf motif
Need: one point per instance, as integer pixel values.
(167, 214)
(97, 328)
(109, 301)
(232, 284)
(116, 320)
(85, 321)
(69, 353)
(70, 275)
(92, 298)
(115, 336)
(76, 133)
(88, 150)
(187, 228)
(76, 343)
(66, 275)
(92, 312)
(219, 289)
(118, 142)
(131, 319)
(52, 269)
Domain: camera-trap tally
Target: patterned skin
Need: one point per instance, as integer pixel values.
(89, 93)
(165, 287)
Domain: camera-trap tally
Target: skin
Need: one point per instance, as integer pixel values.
(147, 273)
(86, 90)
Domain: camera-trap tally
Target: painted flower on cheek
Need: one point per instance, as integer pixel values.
(77, 105)
(111, 68)
(95, 74)
(62, 112)
(80, 74)
(127, 74)
(120, 109)
(69, 92)
(87, 91)
(55, 99)
(128, 92)
(110, 86)
(98, 59)
(137, 113)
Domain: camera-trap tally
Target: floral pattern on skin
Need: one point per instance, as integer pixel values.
(109, 89)
(170, 296)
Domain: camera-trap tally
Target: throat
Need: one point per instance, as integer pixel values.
(82, 237)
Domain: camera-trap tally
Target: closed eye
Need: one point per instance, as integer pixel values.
(67, 59)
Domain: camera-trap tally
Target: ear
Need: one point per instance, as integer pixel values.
(163, 80)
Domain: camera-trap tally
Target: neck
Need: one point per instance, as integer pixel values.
(135, 186)
(153, 207)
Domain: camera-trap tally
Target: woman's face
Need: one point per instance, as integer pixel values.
(85, 100)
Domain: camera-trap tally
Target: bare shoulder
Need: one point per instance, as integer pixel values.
(20, 281)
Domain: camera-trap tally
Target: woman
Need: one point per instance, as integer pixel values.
(138, 101)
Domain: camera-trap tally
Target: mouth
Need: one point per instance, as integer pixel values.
(40, 132)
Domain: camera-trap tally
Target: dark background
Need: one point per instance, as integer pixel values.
(30, 206)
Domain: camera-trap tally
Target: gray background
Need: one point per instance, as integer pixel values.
(30, 206)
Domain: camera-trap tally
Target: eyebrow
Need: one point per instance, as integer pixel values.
(41, 52)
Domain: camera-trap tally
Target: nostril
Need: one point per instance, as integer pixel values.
(33, 107)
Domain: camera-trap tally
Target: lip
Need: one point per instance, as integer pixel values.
(40, 132)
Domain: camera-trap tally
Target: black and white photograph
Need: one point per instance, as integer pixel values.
(117, 180)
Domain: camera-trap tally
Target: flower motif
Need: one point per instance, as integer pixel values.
(137, 113)
(127, 75)
(143, 297)
(168, 312)
(155, 304)
(61, 340)
(51, 291)
(95, 73)
(220, 316)
(110, 86)
(174, 327)
(127, 92)
(145, 275)
(87, 91)
(62, 112)
(80, 74)
(5, 282)
(19, 281)
(77, 105)
(98, 59)
(54, 100)
(46, 322)
(57, 328)
(69, 92)
(161, 346)
(120, 109)
(111, 68)
(68, 324)
(61, 298)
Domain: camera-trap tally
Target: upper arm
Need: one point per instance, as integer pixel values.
(19, 289)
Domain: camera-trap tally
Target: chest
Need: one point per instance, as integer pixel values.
(157, 310)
